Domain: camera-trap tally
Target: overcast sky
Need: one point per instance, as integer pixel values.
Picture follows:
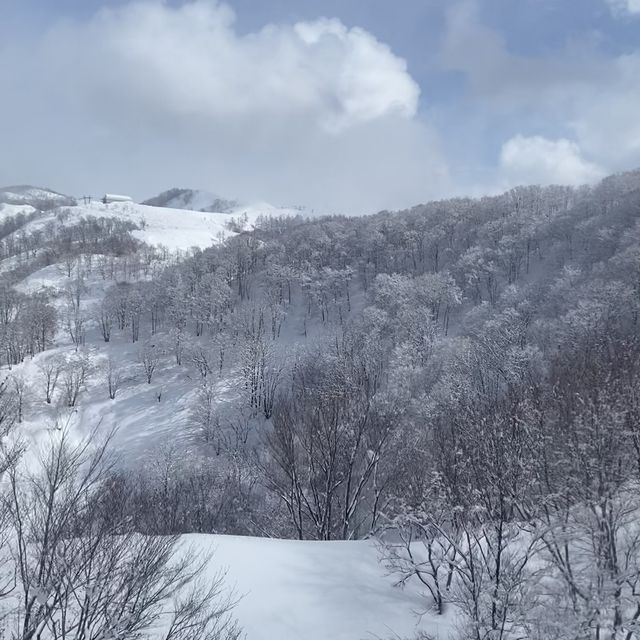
(342, 105)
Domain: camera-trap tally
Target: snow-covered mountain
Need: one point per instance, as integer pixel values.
(173, 228)
(192, 199)
(192, 360)
(199, 200)
(37, 197)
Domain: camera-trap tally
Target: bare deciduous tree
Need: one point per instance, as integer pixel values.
(204, 412)
(51, 368)
(113, 378)
(149, 357)
(84, 573)
(75, 374)
(327, 449)
(105, 318)
(20, 388)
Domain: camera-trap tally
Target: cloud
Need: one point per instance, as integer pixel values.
(507, 81)
(189, 61)
(541, 161)
(149, 95)
(624, 6)
(606, 123)
(577, 93)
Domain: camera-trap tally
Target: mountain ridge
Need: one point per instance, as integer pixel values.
(38, 197)
(192, 199)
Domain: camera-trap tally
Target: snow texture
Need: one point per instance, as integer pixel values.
(293, 590)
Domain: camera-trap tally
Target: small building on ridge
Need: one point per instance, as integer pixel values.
(112, 197)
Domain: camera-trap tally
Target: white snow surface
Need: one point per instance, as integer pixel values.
(293, 590)
(10, 210)
(175, 229)
(27, 193)
(144, 423)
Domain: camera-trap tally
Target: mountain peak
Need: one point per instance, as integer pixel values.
(38, 197)
(193, 199)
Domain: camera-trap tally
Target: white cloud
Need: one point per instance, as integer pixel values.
(541, 161)
(624, 6)
(508, 81)
(606, 121)
(149, 95)
(190, 61)
(577, 93)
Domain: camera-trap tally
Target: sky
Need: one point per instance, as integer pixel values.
(347, 106)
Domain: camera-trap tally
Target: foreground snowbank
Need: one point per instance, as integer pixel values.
(294, 590)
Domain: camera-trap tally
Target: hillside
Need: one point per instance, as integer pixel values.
(173, 229)
(37, 197)
(194, 200)
(457, 381)
(363, 364)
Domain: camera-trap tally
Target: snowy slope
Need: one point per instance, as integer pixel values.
(144, 424)
(36, 196)
(309, 590)
(290, 590)
(176, 229)
(10, 210)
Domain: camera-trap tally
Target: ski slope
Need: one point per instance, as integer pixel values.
(293, 590)
(174, 229)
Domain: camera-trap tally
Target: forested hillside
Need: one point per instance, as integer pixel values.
(459, 381)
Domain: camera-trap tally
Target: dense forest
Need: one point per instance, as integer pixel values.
(459, 380)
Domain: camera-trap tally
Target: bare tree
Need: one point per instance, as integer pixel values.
(84, 573)
(204, 412)
(10, 449)
(178, 339)
(69, 262)
(51, 368)
(203, 359)
(113, 378)
(327, 448)
(238, 428)
(589, 518)
(75, 289)
(135, 308)
(74, 376)
(261, 369)
(149, 357)
(105, 319)
(19, 385)
(424, 537)
(76, 325)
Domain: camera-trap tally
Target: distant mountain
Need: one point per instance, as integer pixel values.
(193, 200)
(38, 197)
